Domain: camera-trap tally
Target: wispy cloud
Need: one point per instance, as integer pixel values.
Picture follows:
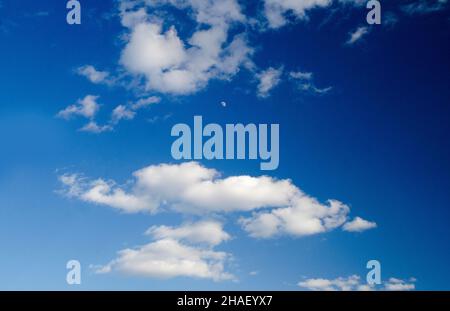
(304, 82)
(357, 35)
(93, 127)
(424, 6)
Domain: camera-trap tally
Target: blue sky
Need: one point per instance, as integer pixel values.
(362, 121)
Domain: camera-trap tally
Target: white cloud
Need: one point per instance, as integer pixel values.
(394, 284)
(354, 283)
(169, 255)
(86, 107)
(424, 6)
(304, 82)
(350, 283)
(171, 65)
(306, 216)
(169, 258)
(357, 34)
(145, 102)
(301, 75)
(122, 112)
(208, 232)
(190, 188)
(211, 12)
(105, 193)
(358, 225)
(309, 87)
(94, 75)
(93, 127)
(129, 111)
(268, 79)
(276, 10)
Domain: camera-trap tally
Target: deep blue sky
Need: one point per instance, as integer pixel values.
(379, 141)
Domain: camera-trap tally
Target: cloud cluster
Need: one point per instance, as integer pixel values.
(217, 48)
(354, 283)
(88, 107)
(176, 252)
(278, 207)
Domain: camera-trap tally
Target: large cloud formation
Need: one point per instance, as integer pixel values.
(277, 206)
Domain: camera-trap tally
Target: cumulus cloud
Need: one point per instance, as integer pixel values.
(358, 225)
(191, 188)
(304, 82)
(104, 193)
(94, 75)
(268, 79)
(175, 252)
(176, 66)
(305, 216)
(86, 107)
(354, 283)
(208, 232)
(357, 35)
